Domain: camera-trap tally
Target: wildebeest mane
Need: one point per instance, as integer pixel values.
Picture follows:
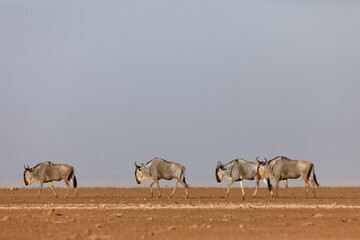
(33, 168)
(36, 166)
(282, 157)
(149, 161)
(235, 160)
(156, 158)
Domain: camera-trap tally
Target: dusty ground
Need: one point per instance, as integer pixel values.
(120, 213)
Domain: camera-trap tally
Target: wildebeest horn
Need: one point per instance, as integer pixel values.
(257, 159)
(265, 159)
(142, 164)
(220, 163)
(25, 167)
(137, 165)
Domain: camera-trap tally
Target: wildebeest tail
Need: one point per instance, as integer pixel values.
(270, 187)
(314, 176)
(75, 181)
(186, 185)
(73, 178)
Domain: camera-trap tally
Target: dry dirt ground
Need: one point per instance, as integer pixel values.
(128, 213)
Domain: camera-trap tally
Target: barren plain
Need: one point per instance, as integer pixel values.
(129, 213)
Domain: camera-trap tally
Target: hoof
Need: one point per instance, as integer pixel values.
(293, 196)
(56, 196)
(159, 196)
(170, 197)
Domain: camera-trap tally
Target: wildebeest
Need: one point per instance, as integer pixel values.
(159, 168)
(283, 168)
(49, 172)
(237, 170)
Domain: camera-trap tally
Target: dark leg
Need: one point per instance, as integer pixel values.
(52, 187)
(287, 188)
(176, 183)
(257, 186)
(228, 187)
(242, 189)
(277, 188)
(307, 184)
(313, 185)
(68, 187)
(41, 183)
(158, 188)
(184, 185)
(151, 191)
(73, 183)
(271, 191)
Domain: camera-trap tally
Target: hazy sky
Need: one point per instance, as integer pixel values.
(102, 84)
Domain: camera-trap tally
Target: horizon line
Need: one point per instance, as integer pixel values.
(192, 183)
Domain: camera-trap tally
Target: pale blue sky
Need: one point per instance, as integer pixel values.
(101, 84)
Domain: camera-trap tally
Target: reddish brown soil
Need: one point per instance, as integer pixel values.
(121, 213)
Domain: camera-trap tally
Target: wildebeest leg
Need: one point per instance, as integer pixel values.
(151, 191)
(228, 187)
(176, 183)
(184, 185)
(41, 183)
(313, 185)
(52, 187)
(257, 186)
(76, 193)
(68, 187)
(158, 188)
(307, 184)
(271, 191)
(277, 188)
(74, 186)
(287, 188)
(242, 189)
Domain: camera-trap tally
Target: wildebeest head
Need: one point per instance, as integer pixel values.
(140, 176)
(28, 178)
(262, 167)
(219, 172)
